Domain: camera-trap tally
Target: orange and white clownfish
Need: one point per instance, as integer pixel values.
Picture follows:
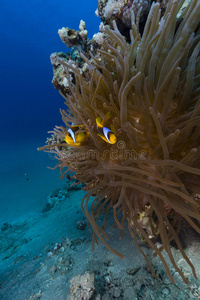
(75, 137)
(105, 133)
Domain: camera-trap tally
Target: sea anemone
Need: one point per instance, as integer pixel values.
(150, 88)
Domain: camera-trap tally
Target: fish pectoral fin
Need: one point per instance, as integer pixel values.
(103, 138)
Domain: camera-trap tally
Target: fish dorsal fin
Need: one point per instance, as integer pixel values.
(99, 121)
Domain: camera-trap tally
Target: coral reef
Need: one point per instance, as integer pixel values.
(148, 92)
(78, 43)
(122, 10)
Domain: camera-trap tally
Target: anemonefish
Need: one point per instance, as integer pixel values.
(105, 133)
(76, 137)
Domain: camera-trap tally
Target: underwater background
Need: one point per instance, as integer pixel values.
(45, 242)
(29, 102)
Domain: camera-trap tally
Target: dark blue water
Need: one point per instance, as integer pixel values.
(29, 103)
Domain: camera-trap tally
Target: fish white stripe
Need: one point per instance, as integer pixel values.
(105, 132)
(72, 134)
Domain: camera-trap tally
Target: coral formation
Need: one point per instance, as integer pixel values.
(82, 287)
(75, 38)
(78, 42)
(148, 91)
(122, 10)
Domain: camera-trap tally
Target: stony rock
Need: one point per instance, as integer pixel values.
(130, 294)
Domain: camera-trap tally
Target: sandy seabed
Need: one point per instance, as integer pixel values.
(41, 253)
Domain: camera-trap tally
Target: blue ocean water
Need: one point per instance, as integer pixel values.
(29, 108)
(29, 102)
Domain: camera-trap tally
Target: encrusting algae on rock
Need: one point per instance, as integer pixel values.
(147, 93)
